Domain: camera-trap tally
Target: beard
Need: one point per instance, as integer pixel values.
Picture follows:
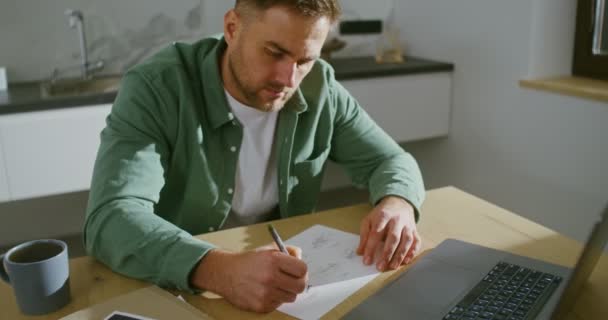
(253, 93)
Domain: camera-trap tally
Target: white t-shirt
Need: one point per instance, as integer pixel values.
(256, 193)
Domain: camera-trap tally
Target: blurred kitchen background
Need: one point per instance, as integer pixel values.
(36, 38)
(540, 154)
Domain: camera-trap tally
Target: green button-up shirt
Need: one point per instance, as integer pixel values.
(166, 165)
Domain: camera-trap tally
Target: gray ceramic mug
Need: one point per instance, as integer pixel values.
(39, 273)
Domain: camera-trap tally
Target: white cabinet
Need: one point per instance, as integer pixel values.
(408, 107)
(51, 152)
(4, 196)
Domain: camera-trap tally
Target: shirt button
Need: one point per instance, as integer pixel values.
(233, 149)
(211, 229)
(280, 182)
(230, 191)
(234, 123)
(230, 115)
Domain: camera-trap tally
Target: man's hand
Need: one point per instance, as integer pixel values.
(390, 227)
(258, 280)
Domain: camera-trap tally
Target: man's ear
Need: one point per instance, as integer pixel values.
(231, 26)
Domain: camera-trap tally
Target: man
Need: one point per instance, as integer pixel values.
(236, 130)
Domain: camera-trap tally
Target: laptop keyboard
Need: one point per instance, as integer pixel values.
(507, 292)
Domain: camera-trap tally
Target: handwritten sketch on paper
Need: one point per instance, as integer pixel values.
(335, 271)
(330, 255)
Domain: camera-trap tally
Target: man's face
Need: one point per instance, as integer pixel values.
(269, 54)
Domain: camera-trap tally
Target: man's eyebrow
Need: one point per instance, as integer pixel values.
(278, 47)
(287, 52)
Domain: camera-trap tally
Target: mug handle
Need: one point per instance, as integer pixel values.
(3, 273)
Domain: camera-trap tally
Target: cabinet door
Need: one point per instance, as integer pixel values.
(51, 152)
(409, 107)
(3, 181)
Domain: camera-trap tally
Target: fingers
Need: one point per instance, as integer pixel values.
(274, 286)
(290, 265)
(264, 305)
(415, 249)
(288, 283)
(294, 251)
(405, 245)
(394, 246)
(364, 235)
(279, 295)
(375, 237)
(267, 307)
(270, 246)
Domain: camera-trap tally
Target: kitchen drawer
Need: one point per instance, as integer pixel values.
(51, 152)
(409, 107)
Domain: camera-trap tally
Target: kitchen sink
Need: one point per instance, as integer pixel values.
(75, 86)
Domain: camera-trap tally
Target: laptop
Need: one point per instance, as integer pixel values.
(464, 281)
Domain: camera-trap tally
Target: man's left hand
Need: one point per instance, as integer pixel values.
(391, 228)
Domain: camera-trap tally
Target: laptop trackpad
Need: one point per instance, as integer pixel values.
(424, 292)
(437, 285)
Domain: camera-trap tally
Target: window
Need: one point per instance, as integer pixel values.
(591, 39)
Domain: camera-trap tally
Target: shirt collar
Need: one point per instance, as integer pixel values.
(216, 104)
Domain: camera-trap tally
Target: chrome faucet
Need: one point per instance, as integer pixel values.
(76, 21)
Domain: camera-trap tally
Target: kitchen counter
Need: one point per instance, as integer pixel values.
(28, 97)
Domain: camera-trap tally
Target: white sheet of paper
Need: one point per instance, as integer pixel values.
(335, 271)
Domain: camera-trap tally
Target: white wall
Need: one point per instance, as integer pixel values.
(539, 154)
(542, 155)
(35, 37)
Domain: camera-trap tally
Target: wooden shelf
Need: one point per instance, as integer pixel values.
(573, 86)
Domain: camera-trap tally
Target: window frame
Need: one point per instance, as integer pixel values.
(585, 63)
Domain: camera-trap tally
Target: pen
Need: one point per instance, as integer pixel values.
(277, 239)
(281, 245)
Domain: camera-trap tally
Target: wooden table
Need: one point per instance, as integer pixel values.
(447, 213)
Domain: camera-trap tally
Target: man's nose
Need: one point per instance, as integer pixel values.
(286, 73)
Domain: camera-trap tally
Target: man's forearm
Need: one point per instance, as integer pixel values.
(209, 274)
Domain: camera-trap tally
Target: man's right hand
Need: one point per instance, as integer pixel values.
(258, 281)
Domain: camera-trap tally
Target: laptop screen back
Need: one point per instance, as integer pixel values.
(584, 266)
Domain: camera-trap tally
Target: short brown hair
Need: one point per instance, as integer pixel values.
(311, 8)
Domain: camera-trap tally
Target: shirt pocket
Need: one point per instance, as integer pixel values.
(305, 182)
(311, 167)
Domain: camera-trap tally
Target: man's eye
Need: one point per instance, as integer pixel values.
(273, 53)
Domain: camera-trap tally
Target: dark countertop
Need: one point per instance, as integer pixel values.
(27, 97)
(366, 67)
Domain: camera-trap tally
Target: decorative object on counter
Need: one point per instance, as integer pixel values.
(359, 27)
(331, 45)
(388, 47)
(354, 27)
(3, 80)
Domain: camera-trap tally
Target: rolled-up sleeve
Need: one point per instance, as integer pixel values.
(122, 228)
(371, 158)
